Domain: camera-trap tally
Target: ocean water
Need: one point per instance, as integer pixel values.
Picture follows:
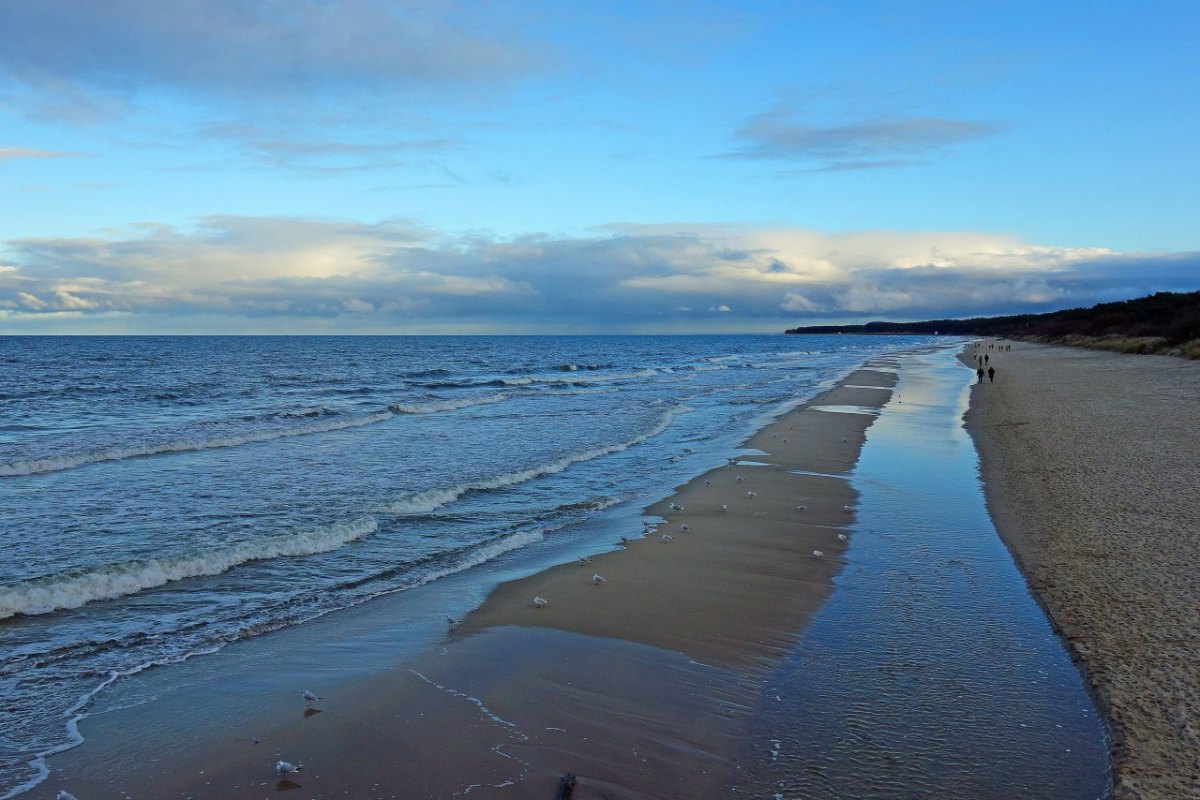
(161, 497)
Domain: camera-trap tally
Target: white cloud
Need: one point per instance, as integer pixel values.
(294, 274)
(31, 301)
(356, 306)
(794, 301)
(7, 153)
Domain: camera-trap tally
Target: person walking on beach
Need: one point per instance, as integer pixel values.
(979, 372)
(991, 375)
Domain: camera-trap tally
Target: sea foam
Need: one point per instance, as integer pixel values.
(433, 499)
(70, 461)
(52, 593)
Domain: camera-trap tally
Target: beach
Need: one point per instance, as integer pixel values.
(721, 644)
(1089, 466)
(641, 685)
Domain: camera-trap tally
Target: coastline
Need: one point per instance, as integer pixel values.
(669, 650)
(1088, 465)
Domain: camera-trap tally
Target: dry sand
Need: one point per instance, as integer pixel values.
(1091, 465)
(642, 686)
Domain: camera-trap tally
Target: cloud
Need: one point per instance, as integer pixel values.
(296, 275)
(869, 143)
(7, 153)
(276, 48)
(328, 82)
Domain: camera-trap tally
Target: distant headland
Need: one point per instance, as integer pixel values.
(1166, 323)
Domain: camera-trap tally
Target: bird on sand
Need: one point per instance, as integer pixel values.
(287, 768)
(310, 698)
(802, 508)
(540, 602)
(739, 478)
(844, 440)
(751, 494)
(849, 509)
(708, 483)
(598, 579)
(724, 507)
(818, 554)
(685, 527)
(676, 507)
(841, 537)
(584, 560)
(451, 622)
(666, 537)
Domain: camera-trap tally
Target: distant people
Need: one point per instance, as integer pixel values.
(991, 374)
(985, 358)
(979, 372)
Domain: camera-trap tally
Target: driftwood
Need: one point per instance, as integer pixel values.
(565, 787)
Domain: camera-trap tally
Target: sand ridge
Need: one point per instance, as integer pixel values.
(735, 586)
(1090, 467)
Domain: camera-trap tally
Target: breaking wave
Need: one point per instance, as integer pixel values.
(433, 499)
(329, 421)
(55, 592)
(433, 406)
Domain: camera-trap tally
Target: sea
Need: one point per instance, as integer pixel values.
(164, 497)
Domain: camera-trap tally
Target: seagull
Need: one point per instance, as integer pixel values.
(841, 537)
(309, 697)
(724, 508)
(708, 483)
(287, 768)
(751, 494)
(785, 441)
(450, 623)
(802, 508)
(64, 795)
(818, 553)
(676, 507)
(666, 537)
(844, 440)
(540, 602)
(584, 560)
(739, 478)
(598, 579)
(849, 509)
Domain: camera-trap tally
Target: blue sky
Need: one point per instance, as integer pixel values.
(518, 167)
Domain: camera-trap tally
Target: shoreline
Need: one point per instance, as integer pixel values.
(690, 625)
(1087, 460)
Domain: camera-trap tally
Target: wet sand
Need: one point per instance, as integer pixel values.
(1090, 464)
(642, 685)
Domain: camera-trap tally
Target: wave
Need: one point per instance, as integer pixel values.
(71, 460)
(433, 499)
(65, 461)
(426, 373)
(56, 592)
(433, 406)
(570, 367)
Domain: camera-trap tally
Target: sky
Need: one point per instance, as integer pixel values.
(372, 167)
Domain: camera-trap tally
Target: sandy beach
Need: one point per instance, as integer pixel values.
(641, 685)
(1089, 461)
